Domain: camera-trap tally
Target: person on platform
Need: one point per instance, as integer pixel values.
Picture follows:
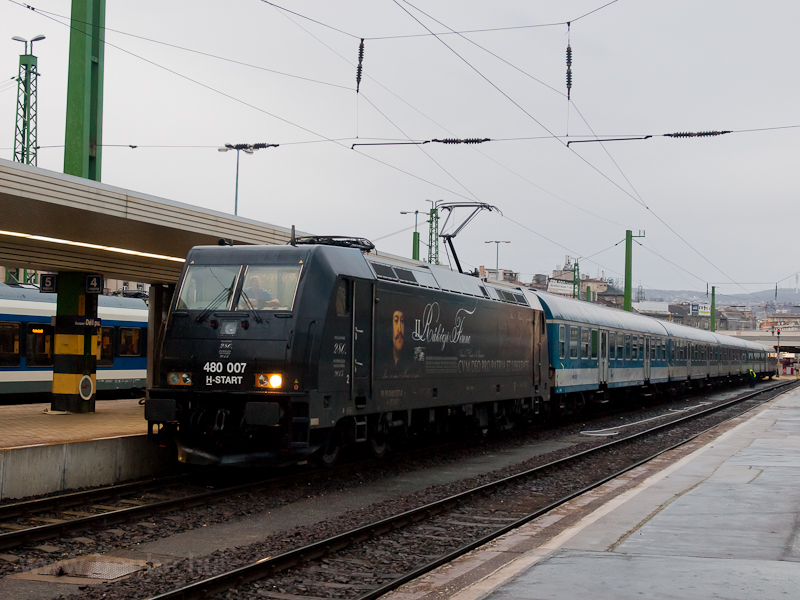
(752, 377)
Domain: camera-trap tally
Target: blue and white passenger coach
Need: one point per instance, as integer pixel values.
(595, 349)
(26, 343)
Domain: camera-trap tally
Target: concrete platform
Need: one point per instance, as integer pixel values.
(42, 453)
(717, 519)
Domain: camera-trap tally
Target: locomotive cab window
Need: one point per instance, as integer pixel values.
(106, 357)
(9, 344)
(128, 342)
(343, 298)
(269, 287)
(208, 287)
(39, 345)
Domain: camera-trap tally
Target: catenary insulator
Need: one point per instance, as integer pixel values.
(360, 61)
(569, 71)
(685, 134)
(464, 141)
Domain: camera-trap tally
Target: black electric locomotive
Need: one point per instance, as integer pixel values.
(273, 353)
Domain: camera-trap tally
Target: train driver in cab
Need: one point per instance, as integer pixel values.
(258, 296)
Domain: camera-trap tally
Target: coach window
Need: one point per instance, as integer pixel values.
(584, 342)
(628, 346)
(106, 358)
(128, 342)
(635, 347)
(9, 344)
(620, 346)
(612, 345)
(562, 341)
(39, 345)
(573, 342)
(594, 344)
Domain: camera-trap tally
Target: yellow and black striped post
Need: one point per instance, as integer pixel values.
(76, 346)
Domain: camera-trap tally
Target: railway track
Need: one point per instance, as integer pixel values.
(28, 522)
(369, 561)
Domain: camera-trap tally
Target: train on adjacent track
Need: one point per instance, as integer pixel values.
(27, 343)
(272, 354)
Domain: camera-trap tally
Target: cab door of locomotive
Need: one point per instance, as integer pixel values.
(362, 342)
(647, 342)
(602, 363)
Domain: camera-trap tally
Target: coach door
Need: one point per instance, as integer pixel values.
(647, 342)
(362, 342)
(603, 362)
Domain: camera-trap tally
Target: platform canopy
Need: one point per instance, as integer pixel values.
(55, 222)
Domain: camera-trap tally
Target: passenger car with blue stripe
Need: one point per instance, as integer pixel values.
(26, 343)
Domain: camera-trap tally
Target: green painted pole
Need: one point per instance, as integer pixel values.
(83, 141)
(588, 293)
(25, 144)
(415, 249)
(576, 281)
(433, 237)
(713, 308)
(628, 270)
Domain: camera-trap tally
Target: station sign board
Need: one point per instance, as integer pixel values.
(704, 310)
(48, 284)
(94, 284)
(87, 322)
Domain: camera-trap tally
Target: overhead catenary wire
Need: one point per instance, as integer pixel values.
(250, 105)
(183, 48)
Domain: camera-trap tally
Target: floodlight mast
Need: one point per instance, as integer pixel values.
(248, 149)
(450, 208)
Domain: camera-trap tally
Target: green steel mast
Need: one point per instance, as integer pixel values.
(25, 143)
(84, 130)
(433, 237)
(628, 305)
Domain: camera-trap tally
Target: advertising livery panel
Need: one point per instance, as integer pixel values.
(426, 336)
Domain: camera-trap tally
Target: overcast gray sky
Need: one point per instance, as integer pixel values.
(639, 68)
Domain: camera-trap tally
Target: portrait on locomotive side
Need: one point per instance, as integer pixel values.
(399, 361)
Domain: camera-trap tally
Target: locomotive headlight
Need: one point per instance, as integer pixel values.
(176, 378)
(229, 327)
(269, 380)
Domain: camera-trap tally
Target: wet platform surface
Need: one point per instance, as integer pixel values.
(718, 519)
(29, 424)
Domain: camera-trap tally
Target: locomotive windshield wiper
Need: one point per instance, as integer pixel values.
(213, 304)
(251, 307)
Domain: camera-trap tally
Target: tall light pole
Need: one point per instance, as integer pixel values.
(248, 149)
(25, 144)
(415, 246)
(497, 268)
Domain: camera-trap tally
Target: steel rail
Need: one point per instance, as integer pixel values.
(54, 503)
(42, 532)
(269, 565)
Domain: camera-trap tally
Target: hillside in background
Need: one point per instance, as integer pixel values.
(785, 296)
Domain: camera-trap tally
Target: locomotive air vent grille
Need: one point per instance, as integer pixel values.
(405, 275)
(384, 271)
